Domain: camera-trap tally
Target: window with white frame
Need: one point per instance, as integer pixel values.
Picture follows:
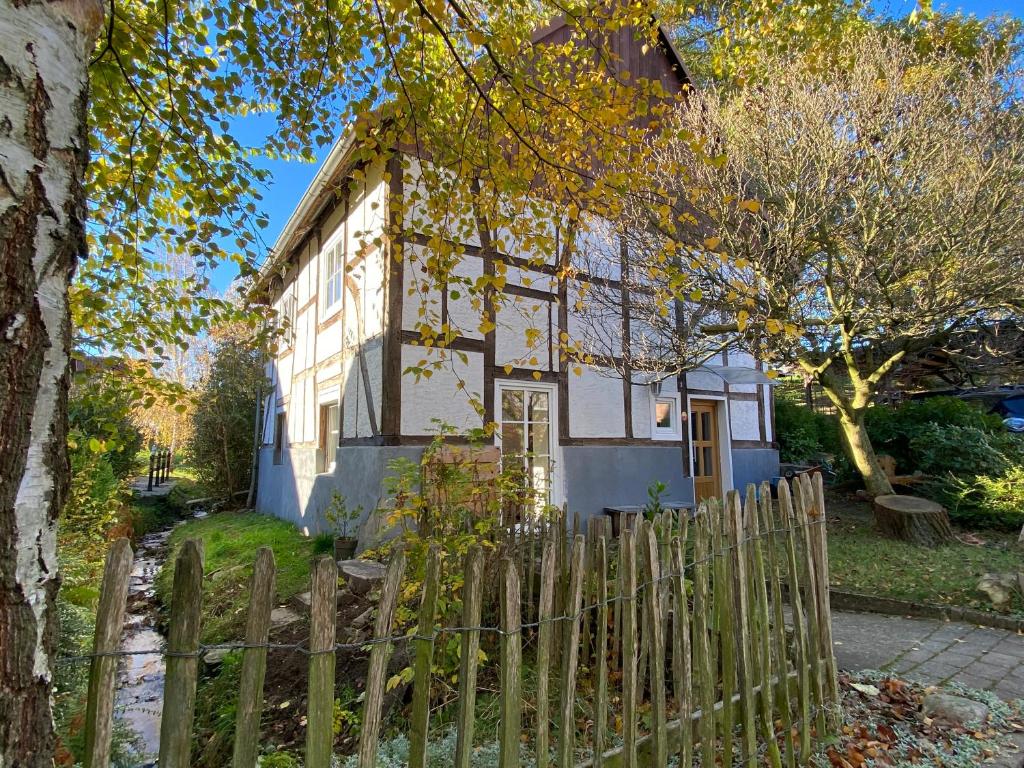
(287, 318)
(333, 271)
(526, 436)
(330, 427)
(665, 417)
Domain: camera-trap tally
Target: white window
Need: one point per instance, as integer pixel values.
(526, 435)
(287, 318)
(333, 271)
(665, 417)
(330, 425)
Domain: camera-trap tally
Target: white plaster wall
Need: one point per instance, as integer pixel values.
(515, 317)
(531, 278)
(439, 396)
(641, 411)
(766, 396)
(309, 410)
(595, 405)
(741, 359)
(328, 343)
(350, 400)
(703, 380)
(461, 313)
(419, 304)
(743, 415)
(594, 324)
(456, 220)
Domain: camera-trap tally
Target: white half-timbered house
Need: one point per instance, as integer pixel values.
(341, 409)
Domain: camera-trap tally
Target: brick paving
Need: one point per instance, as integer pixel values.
(932, 651)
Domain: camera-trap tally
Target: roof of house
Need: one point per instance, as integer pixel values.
(669, 68)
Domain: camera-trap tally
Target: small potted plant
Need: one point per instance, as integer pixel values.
(342, 520)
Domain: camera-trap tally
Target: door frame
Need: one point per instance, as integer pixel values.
(724, 439)
(557, 484)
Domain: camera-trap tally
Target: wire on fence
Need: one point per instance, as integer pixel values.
(300, 648)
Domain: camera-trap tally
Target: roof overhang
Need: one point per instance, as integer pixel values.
(312, 200)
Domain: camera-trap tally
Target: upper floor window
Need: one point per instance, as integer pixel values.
(287, 319)
(333, 270)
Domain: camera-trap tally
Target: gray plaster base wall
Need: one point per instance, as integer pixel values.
(592, 477)
(606, 476)
(292, 490)
(599, 476)
(753, 465)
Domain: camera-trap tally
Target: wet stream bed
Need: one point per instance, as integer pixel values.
(140, 676)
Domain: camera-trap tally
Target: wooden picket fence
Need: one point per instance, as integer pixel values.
(689, 637)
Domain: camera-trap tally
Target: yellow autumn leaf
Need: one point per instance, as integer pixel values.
(711, 243)
(750, 205)
(742, 319)
(773, 326)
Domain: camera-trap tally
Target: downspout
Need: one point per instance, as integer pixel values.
(250, 499)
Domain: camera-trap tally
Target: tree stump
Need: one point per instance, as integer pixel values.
(909, 518)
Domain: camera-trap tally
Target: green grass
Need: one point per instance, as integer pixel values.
(230, 541)
(860, 560)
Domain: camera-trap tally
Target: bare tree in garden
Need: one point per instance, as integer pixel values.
(841, 220)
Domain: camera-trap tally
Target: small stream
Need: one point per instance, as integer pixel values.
(138, 703)
(140, 678)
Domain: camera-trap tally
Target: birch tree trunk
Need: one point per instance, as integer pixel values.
(44, 49)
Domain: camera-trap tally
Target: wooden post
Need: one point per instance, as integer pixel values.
(723, 600)
(570, 655)
(99, 711)
(379, 655)
(472, 599)
(182, 658)
(656, 644)
(702, 608)
(682, 668)
(641, 624)
(254, 660)
(627, 566)
(741, 620)
(601, 650)
(424, 658)
(511, 670)
(821, 569)
(804, 659)
(801, 505)
(322, 635)
(779, 645)
(545, 637)
(152, 465)
(761, 629)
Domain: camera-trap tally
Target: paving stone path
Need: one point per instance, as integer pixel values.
(932, 651)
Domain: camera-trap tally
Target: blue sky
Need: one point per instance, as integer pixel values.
(290, 178)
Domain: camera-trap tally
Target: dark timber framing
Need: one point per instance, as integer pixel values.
(391, 375)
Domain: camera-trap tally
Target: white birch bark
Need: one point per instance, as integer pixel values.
(44, 49)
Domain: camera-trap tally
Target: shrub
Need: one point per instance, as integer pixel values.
(984, 501)
(803, 434)
(95, 506)
(893, 430)
(220, 447)
(959, 450)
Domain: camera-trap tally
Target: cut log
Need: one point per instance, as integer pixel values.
(909, 518)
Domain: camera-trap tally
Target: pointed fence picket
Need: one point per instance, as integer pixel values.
(682, 619)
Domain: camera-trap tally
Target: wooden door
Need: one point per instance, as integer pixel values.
(707, 455)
